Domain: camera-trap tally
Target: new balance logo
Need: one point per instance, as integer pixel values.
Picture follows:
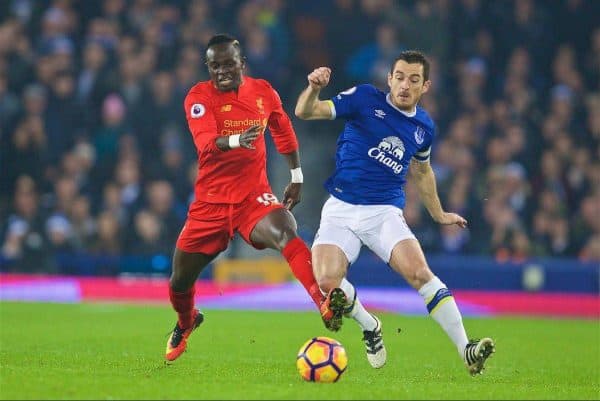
(379, 113)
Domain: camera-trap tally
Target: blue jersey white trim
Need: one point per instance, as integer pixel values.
(389, 101)
(375, 148)
(423, 156)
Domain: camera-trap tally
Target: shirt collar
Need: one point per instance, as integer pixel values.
(413, 113)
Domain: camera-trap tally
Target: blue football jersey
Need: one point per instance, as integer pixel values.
(376, 146)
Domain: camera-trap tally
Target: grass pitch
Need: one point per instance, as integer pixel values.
(113, 351)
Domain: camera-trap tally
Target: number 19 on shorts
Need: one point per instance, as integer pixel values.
(267, 199)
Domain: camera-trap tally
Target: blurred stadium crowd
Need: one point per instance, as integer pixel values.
(96, 159)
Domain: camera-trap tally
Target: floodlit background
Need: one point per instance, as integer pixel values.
(97, 163)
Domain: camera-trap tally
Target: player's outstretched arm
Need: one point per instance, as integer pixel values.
(425, 179)
(308, 106)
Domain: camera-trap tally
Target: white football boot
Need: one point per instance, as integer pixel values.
(476, 353)
(376, 353)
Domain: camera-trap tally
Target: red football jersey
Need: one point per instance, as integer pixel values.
(228, 177)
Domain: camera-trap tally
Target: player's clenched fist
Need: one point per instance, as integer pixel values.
(248, 137)
(319, 78)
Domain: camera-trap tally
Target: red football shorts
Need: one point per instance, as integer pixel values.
(213, 225)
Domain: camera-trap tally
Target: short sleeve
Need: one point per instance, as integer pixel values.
(423, 153)
(344, 104)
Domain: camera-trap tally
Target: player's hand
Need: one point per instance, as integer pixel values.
(319, 78)
(248, 137)
(452, 218)
(291, 195)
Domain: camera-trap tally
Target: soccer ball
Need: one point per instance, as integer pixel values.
(321, 359)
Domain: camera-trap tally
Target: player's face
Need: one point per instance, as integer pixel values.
(407, 85)
(225, 66)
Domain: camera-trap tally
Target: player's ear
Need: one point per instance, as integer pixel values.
(426, 86)
(390, 80)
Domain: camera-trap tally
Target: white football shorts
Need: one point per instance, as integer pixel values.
(348, 226)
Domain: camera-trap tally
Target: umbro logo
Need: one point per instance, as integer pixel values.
(379, 113)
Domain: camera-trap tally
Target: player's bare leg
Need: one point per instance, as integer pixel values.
(186, 268)
(408, 260)
(330, 264)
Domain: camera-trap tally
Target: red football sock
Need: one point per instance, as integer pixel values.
(183, 303)
(298, 257)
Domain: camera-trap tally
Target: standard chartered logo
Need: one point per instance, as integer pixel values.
(389, 152)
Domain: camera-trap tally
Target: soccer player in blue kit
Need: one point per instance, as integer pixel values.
(386, 135)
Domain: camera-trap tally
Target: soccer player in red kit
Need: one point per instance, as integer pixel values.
(227, 117)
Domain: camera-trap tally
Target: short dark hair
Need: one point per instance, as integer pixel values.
(223, 38)
(413, 57)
